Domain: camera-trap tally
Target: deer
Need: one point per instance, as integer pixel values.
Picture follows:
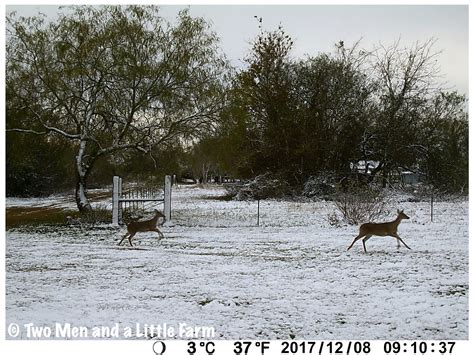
(143, 226)
(368, 230)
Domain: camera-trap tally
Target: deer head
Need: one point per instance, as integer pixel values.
(402, 215)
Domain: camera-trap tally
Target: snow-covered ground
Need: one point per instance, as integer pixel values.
(289, 277)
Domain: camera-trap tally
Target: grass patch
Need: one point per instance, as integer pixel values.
(37, 216)
(34, 216)
(205, 301)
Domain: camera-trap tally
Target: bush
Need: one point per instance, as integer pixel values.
(361, 205)
(262, 187)
(321, 186)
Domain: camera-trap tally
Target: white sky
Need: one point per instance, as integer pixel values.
(315, 28)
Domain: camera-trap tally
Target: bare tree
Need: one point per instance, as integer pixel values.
(111, 79)
(406, 73)
(406, 81)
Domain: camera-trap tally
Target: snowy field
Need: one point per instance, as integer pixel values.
(291, 277)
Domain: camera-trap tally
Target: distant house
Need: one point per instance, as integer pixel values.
(364, 166)
(409, 178)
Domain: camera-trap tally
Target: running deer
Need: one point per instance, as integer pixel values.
(367, 230)
(143, 226)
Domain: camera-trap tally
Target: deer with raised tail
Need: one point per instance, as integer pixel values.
(367, 230)
(143, 226)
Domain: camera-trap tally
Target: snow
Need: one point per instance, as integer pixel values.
(289, 277)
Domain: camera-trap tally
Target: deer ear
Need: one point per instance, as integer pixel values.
(398, 211)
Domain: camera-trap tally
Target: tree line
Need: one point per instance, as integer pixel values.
(120, 90)
(327, 113)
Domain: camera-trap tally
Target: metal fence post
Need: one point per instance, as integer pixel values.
(258, 212)
(431, 205)
(167, 202)
(120, 209)
(115, 200)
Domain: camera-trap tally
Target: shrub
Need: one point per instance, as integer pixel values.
(360, 205)
(321, 186)
(262, 187)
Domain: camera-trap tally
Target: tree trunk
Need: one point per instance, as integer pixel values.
(82, 201)
(82, 171)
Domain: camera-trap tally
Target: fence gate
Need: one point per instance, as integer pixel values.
(134, 197)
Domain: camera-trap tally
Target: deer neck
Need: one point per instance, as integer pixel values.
(397, 221)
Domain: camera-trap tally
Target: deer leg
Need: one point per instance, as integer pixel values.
(355, 240)
(400, 239)
(159, 232)
(125, 236)
(364, 240)
(130, 239)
